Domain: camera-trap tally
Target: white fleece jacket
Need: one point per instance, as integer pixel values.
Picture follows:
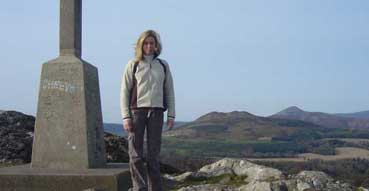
(148, 88)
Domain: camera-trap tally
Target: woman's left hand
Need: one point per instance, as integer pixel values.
(170, 123)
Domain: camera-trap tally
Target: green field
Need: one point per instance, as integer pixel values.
(226, 148)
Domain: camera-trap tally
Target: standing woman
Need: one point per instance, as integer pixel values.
(146, 92)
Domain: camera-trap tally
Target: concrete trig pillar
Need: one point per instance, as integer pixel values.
(68, 129)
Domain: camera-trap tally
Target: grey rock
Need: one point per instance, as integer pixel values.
(181, 177)
(242, 167)
(261, 178)
(256, 186)
(316, 180)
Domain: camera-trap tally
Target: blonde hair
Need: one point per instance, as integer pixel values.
(139, 45)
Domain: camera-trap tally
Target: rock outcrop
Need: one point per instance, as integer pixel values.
(241, 175)
(116, 148)
(16, 132)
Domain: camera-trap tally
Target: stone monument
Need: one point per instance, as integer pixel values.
(68, 147)
(68, 129)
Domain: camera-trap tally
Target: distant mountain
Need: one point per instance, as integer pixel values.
(227, 118)
(323, 119)
(358, 115)
(292, 111)
(239, 125)
(114, 128)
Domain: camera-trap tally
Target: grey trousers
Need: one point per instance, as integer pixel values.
(152, 121)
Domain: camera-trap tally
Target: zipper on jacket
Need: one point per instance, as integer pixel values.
(150, 84)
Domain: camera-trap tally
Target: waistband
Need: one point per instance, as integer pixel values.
(147, 109)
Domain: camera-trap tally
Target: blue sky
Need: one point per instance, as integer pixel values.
(257, 56)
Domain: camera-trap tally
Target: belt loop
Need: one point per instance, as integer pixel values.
(149, 112)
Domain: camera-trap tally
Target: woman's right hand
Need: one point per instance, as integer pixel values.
(127, 124)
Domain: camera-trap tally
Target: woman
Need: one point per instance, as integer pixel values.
(146, 92)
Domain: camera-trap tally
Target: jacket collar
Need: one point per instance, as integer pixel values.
(148, 58)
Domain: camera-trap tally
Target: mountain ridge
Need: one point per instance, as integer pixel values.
(323, 119)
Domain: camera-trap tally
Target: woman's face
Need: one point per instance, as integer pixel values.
(149, 45)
